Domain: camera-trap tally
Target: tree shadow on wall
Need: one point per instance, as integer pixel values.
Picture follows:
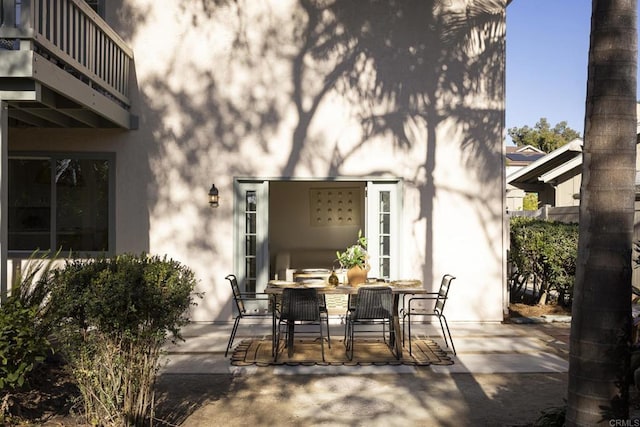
(410, 70)
(407, 65)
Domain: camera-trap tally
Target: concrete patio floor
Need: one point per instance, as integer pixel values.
(481, 348)
(503, 375)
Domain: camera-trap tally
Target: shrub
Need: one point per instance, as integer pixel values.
(543, 254)
(552, 417)
(24, 326)
(21, 347)
(530, 202)
(116, 314)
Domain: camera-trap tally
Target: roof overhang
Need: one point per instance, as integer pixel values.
(549, 166)
(553, 174)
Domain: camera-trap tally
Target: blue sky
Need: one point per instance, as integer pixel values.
(547, 51)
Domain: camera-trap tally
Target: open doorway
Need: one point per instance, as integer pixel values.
(310, 220)
(285, 225)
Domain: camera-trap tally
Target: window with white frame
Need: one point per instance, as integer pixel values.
(61, 202)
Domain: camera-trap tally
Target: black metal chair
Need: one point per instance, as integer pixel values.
(415, 307)
(352, 300)
(248, 304)
(374, 305)
(322, 300)
(298, 306)
(324, 313)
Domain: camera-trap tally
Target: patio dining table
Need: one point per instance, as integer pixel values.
(398, 288)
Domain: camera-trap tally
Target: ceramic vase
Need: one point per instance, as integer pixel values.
(356, 276)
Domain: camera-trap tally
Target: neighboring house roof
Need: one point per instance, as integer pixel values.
(549, 166)
(524, 149)
(553, 175)
(563, 168)
(522, 156)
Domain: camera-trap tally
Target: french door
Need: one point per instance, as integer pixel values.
(251, 230)
(251, 248)
(382, 216)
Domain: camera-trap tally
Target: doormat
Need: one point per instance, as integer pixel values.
(366, 352)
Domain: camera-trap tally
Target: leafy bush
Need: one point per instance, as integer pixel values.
(21, 348)
(24, 326)
(552, 417)
(530, 202)
(543, 254)
(116, 314)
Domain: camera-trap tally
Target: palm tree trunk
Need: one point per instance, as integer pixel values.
(601, 325)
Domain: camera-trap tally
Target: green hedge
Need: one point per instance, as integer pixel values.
(542, 258)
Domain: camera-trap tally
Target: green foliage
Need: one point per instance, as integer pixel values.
(542, 136)
(116, 315)
(636, 259)
(552, 417)
(355, 255)
(530, 202)
(21, 348)
(543, 253)
(24, 323)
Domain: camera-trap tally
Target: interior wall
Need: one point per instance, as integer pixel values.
(291, 227)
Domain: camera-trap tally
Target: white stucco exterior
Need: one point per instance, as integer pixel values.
(229, 91)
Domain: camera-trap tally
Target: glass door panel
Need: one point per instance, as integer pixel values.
(251, 249)
(383, 208)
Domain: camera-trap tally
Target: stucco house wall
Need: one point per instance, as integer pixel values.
(275, 91)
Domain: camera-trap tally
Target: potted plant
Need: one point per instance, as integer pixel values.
(355, 259)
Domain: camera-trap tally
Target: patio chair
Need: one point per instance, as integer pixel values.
(248, 304)
(322, 301)
(373, 305)
(352, 300)
(415, 307)
(324, 313)
(299, 306)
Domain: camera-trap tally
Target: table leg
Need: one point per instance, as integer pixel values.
(274, 344)
(395, 339)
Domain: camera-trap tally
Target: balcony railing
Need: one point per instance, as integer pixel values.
(70, 34)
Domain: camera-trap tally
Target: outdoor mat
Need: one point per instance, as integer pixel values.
(366, 352)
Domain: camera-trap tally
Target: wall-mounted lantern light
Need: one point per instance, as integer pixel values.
(213, 196)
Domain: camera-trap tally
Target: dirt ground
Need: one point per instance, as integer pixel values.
(526, 310)
(52, 396)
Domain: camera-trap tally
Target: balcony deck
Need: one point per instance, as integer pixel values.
(61, 65)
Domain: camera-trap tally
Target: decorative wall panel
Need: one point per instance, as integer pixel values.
(335, 206)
